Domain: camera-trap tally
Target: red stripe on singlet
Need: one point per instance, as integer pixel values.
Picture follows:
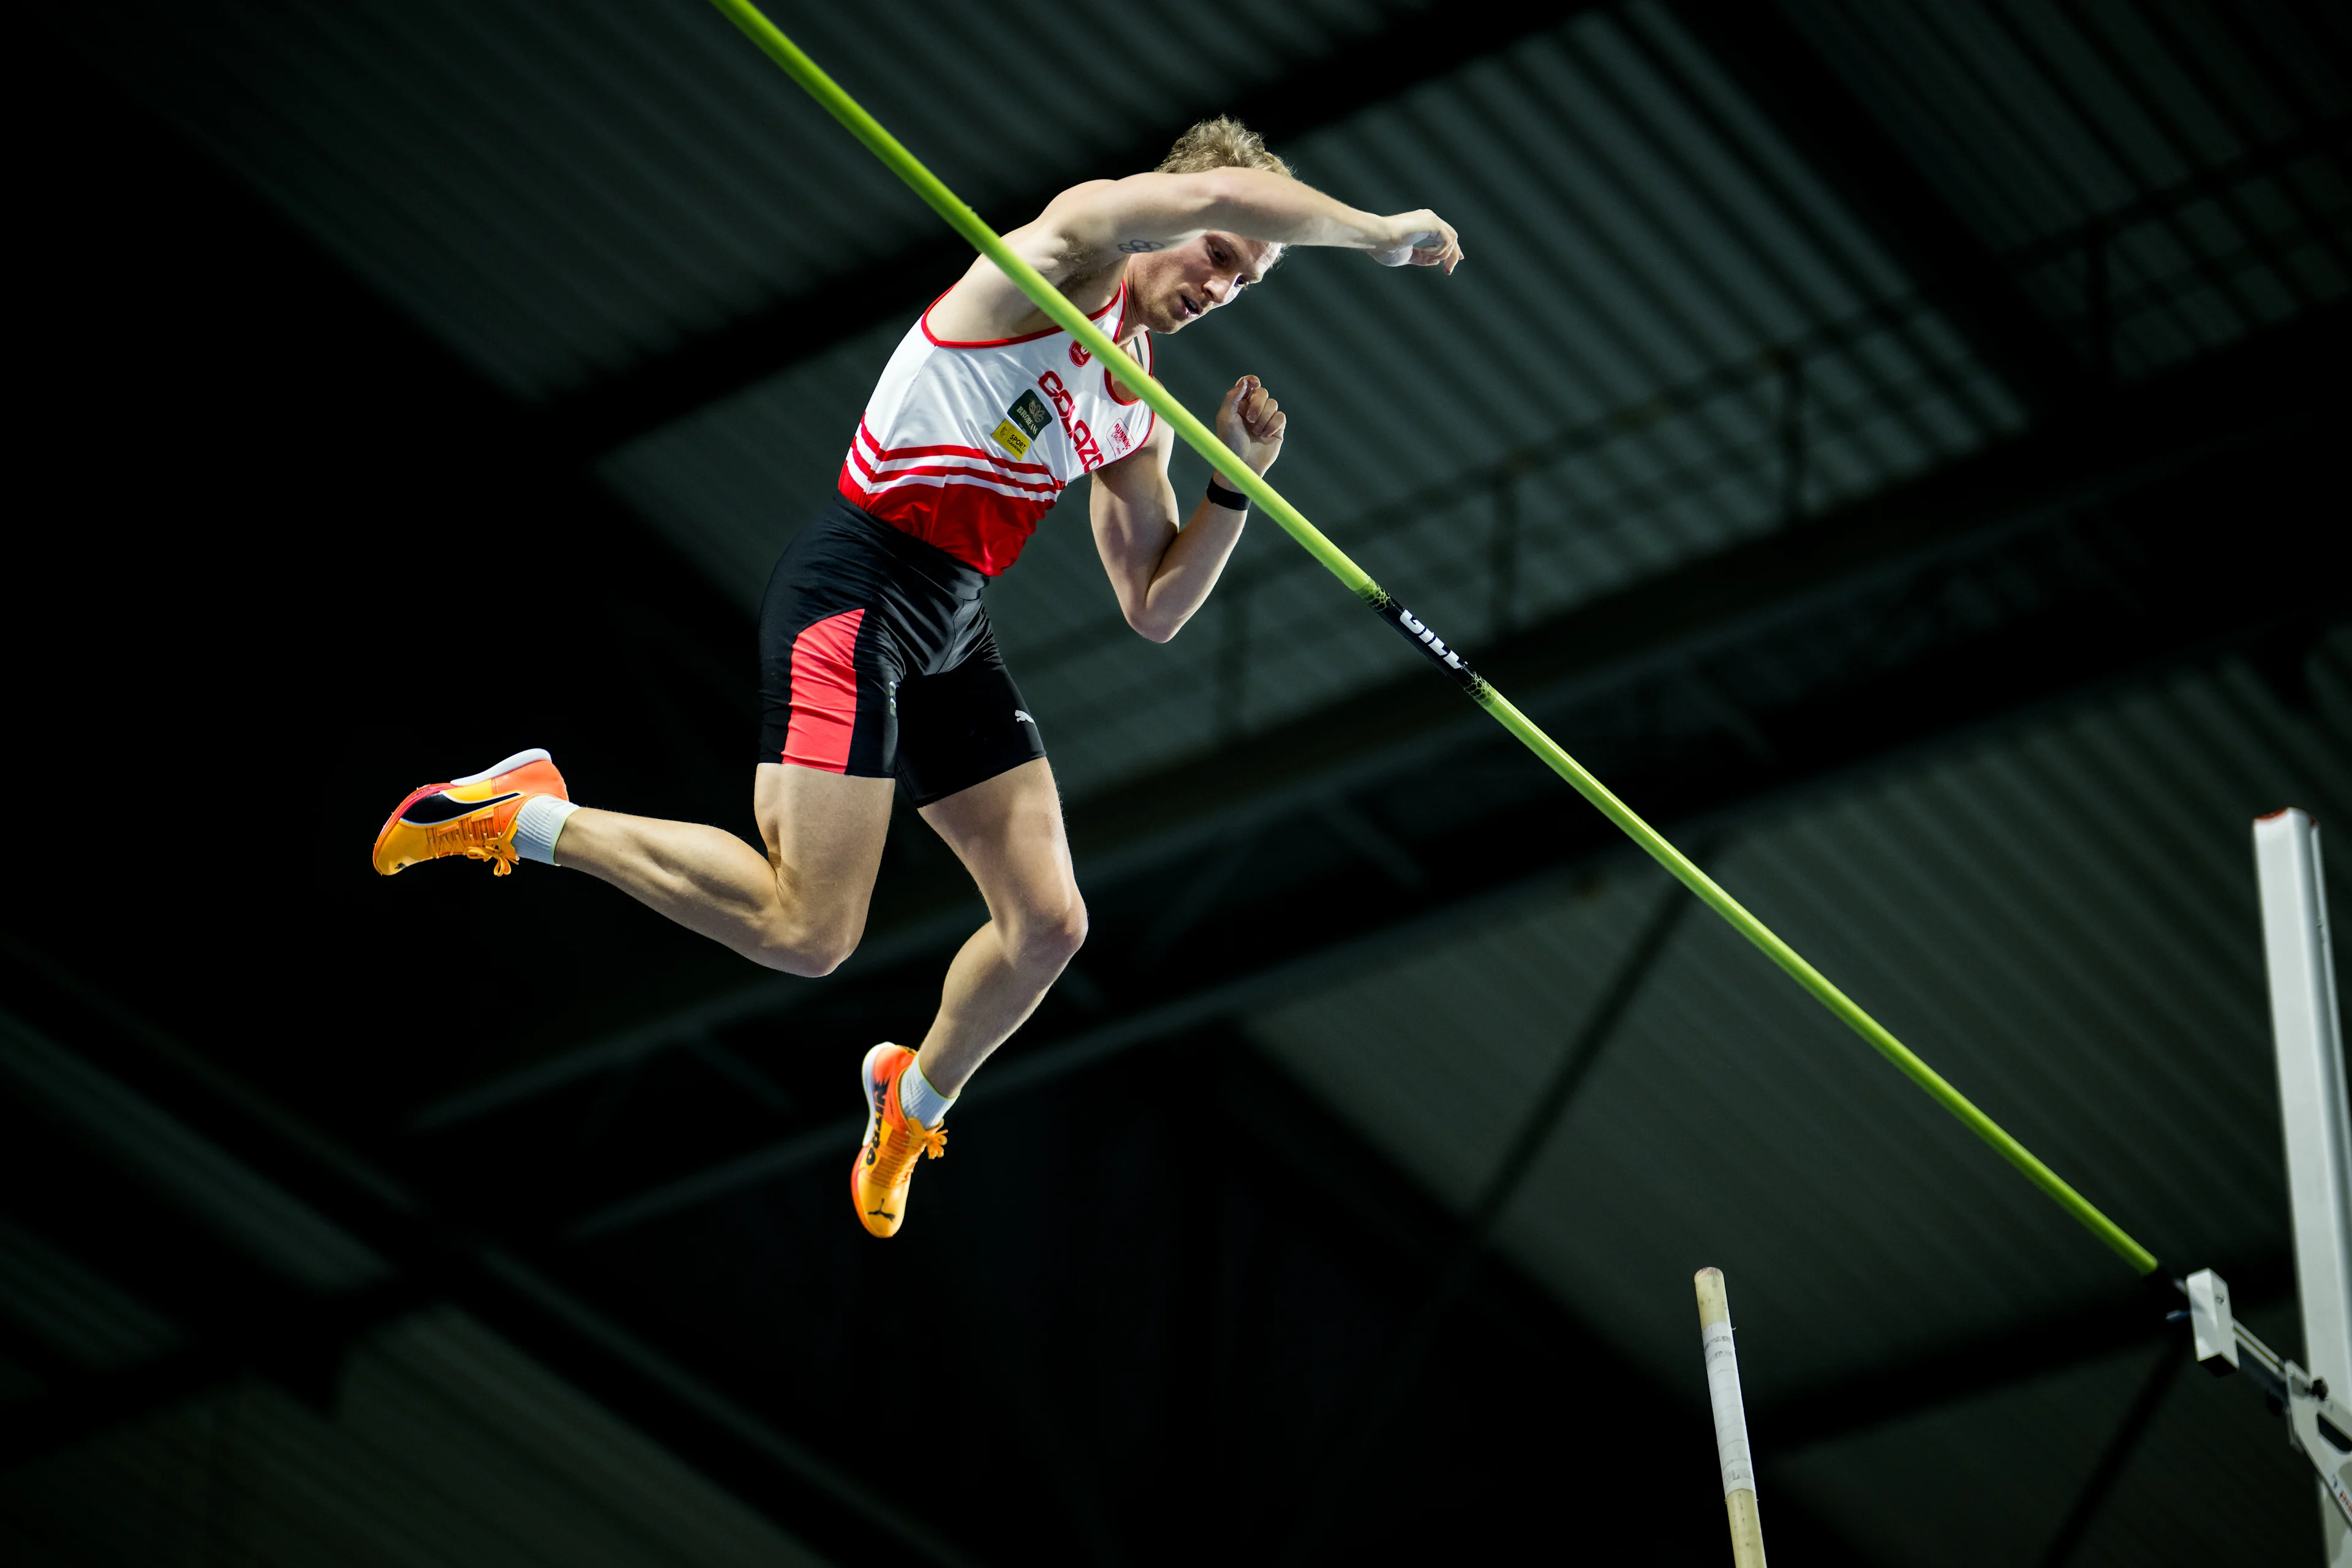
(882, 454)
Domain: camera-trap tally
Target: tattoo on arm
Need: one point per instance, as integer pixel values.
(1136, 247)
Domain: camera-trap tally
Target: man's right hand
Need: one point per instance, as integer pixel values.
(1421, 239)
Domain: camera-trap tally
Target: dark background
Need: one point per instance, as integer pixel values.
(278, 556)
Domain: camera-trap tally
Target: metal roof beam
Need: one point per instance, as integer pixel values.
(1807, 102)
(1389, 1228)
(2162, 1374)
(301, 1351)
(1354, 1432)
(805, 1493)
(804, 325)
(2043, 1346)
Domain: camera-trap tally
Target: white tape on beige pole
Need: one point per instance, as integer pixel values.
(1730, 1419)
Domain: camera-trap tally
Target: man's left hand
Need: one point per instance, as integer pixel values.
(1251, 422)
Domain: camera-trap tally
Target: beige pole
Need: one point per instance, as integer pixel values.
(1730, 1420)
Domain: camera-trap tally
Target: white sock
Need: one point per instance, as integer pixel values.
(539, 824)
(920, 1100)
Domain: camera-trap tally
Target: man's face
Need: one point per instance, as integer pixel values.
(1172, 288)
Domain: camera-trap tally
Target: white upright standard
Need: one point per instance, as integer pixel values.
(2312, 1108)
(1730, 1419)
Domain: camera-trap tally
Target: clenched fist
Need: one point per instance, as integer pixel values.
(1250, 421)
(1420, 239)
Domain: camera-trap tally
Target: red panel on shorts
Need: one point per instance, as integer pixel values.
(825, 693)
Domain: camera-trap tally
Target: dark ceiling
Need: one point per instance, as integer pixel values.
(1907, 481)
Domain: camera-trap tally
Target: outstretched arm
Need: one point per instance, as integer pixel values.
(1086, 235)
(1159, 575)
(1095, 224)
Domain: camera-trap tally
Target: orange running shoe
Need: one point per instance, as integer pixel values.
(886, 1161)
(473, 817)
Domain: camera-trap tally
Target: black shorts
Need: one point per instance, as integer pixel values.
(877, 661)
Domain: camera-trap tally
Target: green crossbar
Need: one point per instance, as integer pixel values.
(967, 222)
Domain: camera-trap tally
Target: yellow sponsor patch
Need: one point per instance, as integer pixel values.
(1012, 440)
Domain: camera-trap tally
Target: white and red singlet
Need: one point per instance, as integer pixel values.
(966, 445)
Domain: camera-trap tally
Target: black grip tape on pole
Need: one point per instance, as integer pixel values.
(1431, 645)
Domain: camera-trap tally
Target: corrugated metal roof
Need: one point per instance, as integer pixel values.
(2062, 920)
(59, 1304)
(2209, 1483)
(2202, 142)
(731, 485)
(185, 1170)
(446, 1446)
(559, 192)
(2060, 917)
(17, 1382)
(1651, 271)
(1601, 394)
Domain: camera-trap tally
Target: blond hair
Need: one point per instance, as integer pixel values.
(1223, 143)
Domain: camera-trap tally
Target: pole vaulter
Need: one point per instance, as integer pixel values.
(1238, 474)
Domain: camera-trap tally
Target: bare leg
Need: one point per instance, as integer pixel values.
(1008, 832)
(801, 910)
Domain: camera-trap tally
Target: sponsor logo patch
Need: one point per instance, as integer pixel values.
(1021, 424)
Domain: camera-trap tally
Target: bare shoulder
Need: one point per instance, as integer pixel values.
(1076, 195)
(986, 305)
